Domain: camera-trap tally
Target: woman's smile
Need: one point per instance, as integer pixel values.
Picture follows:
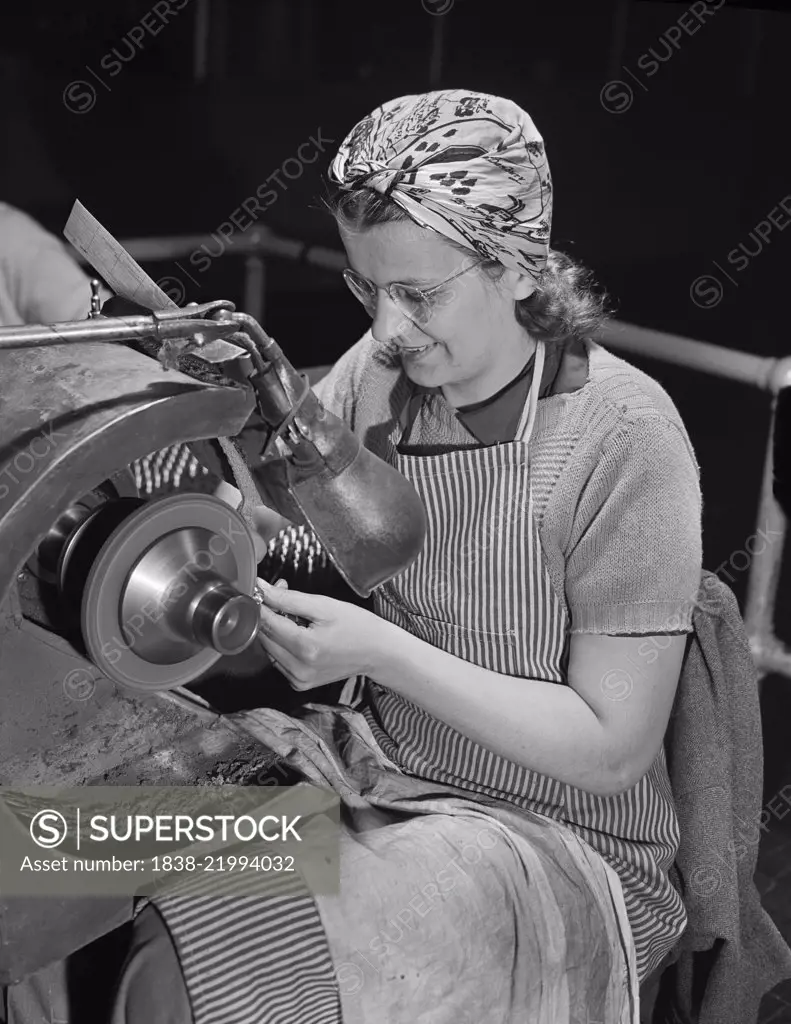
(415, 353)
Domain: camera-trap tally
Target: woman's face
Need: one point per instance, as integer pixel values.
(472, 345)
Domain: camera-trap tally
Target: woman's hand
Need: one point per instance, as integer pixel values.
(340, 639)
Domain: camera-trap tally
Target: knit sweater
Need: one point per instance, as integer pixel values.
(616, 485)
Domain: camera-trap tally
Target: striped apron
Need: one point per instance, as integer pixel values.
(481, 590)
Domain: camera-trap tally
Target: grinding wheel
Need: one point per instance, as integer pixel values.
(170, 593)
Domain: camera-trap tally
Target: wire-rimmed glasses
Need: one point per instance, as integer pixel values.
(417, 304)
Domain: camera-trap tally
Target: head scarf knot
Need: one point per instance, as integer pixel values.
(468, 165)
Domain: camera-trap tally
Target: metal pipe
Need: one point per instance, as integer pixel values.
(437, 52)
(117, 329)
(781, 375)
(261, 241)
(172, 247)
(254, 286)
(764, 577)
(620, 20)
(771, 657)
(201, 40)
(758, 371)
(307, 36)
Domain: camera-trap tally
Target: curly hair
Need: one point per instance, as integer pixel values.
(566, 307)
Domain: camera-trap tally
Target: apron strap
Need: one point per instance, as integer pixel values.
(528, 419)
(524, 429)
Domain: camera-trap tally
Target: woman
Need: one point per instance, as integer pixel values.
(521, 672)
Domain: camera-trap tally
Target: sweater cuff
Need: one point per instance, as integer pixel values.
(649, 618)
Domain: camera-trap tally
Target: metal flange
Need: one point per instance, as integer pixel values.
(170, 593)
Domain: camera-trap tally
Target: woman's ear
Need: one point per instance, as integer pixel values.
(517, 286)
(523, 287)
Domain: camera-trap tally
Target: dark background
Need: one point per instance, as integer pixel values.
(650, 197)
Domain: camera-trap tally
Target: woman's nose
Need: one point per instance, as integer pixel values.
(389, 322)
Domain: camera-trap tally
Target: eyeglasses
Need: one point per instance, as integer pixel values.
(417, 304)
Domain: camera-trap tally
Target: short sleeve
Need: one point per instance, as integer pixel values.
(635, 566)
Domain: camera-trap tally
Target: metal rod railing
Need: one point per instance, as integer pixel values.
(767, 374)
(696, 355)
(257, 242)
(764, 572)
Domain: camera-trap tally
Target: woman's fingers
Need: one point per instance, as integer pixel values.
(261, 585)
(281, 629)
(291, 602)
(279, 657)
(284, 662)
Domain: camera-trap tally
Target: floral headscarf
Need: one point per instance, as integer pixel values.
(468, 165)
